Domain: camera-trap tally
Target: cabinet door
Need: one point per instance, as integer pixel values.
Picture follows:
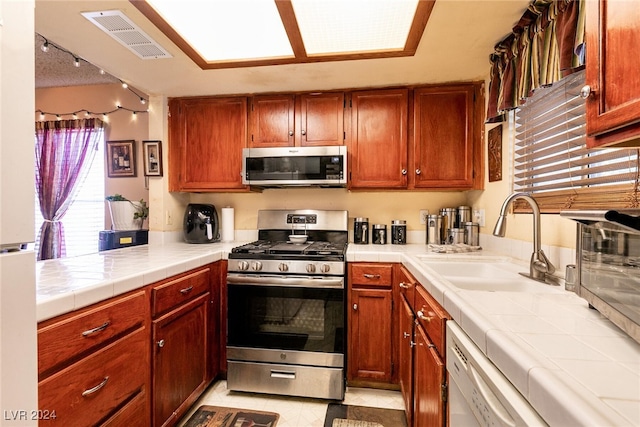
(612, 28)
(444, 137)
(378, 143)
(321, 119)
(429, 377)
(272, 121)
(180, 357)
(370, 335)
(405, 349)
(207, 138)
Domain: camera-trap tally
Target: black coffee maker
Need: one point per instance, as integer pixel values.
(201, 224)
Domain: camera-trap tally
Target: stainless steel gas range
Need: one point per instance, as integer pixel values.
(286, 306)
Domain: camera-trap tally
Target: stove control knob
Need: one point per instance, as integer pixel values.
(311, 268)
(256, 266)
(283, 267)
(243, 265)
(325, 268)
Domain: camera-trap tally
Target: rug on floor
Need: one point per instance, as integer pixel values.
(217, 416)
(339, 415)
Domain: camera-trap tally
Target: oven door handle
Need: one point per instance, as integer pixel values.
(294, 281)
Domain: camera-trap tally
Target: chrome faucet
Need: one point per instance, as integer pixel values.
(540, 267)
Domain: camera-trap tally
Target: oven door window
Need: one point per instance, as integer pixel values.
(302, 319)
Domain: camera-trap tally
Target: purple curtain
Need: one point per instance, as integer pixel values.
(64, 152)
(543, 47)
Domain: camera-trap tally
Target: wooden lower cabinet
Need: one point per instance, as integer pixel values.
(370, 310)
(405, 355)
(136, 360)
(420, 341)
(94, 365)
(429, 376)
(180, 359)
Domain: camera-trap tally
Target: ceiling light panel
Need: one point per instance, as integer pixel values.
(223, 30)
(339, 26)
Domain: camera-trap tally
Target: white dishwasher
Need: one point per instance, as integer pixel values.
(479, 394)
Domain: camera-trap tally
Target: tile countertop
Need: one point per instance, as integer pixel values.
(573, 365)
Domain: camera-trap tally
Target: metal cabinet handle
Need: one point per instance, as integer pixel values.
(405, 285)
(418, 171)
(371, 276)
(98, 329)
(355, 306)
(404, 171)
(160, 343)
(421, 316)
(406, 334)
(412, 344)
(96, 388)
(304, 132)
(186, 290)
(585, 92)
(290, 133)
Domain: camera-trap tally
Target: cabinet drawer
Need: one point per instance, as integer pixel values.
(378, 275)
(97, 386)
(62, 341)
(406, 284)
(168, 295)
(431, 316)
(134, 414)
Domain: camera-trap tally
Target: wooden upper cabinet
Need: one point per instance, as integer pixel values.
(289, 120)
(272, 121)
(613, 108)
(321, 119)
(446, 137)
(207, 137)
(378, 141)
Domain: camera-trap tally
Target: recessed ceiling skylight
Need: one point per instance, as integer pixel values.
(240, 33)
(223, 30)
(331, 26)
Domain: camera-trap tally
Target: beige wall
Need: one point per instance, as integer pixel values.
(167, 208)
(121, 125)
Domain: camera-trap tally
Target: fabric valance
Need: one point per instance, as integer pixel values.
(545, 45)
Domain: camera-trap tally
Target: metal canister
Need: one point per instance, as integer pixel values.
(464, 216)
(472, 234)
(449, 217)
(361, 231)
(379, 234)
(434, 229)
(456, 235)
(398, 232)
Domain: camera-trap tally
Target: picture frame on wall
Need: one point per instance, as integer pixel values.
(152, 152)
(121, 159)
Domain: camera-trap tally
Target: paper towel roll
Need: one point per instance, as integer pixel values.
(228, 226)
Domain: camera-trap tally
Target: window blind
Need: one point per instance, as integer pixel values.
(551, 160)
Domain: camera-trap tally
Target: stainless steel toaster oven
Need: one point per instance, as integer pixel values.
(608, 264)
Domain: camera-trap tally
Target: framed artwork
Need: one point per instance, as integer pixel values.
(152, 152)
(121, 159)
(495, 154)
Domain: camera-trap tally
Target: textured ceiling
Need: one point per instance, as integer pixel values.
(456, 44)
(56, 68)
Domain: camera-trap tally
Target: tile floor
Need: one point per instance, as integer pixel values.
(294, 411)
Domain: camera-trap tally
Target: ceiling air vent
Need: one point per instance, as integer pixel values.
(121, 28)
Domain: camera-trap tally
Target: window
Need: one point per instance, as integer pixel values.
(85, 217)
(551, 160)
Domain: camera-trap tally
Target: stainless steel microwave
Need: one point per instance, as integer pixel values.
(324, 166)
(608, 264)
